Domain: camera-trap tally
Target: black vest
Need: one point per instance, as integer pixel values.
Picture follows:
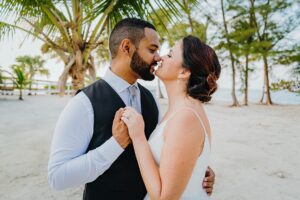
(123, 179)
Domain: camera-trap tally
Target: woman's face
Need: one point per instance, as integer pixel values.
(171, 64)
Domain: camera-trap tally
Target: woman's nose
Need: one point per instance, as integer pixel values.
(163, 57)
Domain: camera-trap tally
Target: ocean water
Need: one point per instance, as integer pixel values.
(283, 97)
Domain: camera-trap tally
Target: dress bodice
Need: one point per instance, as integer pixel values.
(194, 188)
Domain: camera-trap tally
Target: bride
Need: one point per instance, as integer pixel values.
(174, 159)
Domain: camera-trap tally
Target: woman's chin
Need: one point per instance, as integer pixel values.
(156, 73)
(159, 77)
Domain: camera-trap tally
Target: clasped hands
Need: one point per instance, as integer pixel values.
(128, 125)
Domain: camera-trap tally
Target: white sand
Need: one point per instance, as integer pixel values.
(255, 150)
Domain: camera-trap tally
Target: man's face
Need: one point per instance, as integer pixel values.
(146, 56)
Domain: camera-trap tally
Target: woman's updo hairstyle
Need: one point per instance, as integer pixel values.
(204, 66)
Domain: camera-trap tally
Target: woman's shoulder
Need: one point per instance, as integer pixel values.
(185, 121)
(187, 114)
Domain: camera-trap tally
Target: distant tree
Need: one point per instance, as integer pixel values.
(227, 43)
(20, 79)
(243, 37)
(31, 67)
(270, 31)
(290, 58)
(291, 85)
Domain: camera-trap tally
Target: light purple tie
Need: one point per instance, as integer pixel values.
(133, 100)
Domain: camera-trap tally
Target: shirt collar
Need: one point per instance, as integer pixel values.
(116, 82)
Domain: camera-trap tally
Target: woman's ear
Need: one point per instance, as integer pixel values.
(184, 74)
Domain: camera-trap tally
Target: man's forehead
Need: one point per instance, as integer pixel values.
(151, 38)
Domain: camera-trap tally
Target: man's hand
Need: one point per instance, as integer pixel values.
(209, 181)
(120, 130)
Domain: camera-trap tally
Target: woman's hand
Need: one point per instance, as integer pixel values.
(134, 122)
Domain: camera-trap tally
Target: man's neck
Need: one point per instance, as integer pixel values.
(123, 71)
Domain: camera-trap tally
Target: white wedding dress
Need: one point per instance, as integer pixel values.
(194, 188)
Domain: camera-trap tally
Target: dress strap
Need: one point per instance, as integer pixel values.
(197, 115)
(186, 107)
(202, 124)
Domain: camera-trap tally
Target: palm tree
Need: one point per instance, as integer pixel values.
(19, 79)
(230, 48)
(32, 66)
(271, 32)
(73, 29)
(243, 39)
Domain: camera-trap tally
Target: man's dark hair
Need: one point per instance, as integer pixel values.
(131, 28)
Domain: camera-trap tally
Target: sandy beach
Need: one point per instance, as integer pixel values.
(255, 151)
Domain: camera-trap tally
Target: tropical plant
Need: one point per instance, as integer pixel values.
(291, 86)
(73, 29)
(32, 66)
(290, 58)
(20, 79)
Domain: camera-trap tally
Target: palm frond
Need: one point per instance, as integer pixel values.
(6, 30)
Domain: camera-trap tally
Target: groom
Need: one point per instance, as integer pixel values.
(86, 149)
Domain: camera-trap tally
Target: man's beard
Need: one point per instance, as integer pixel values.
(139, 66)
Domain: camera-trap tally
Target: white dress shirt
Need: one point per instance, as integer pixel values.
(69, 164)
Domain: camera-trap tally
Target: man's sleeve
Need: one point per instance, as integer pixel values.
(69, 163)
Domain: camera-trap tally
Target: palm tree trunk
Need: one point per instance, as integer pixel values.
(267, 84)
(76, 70)
(263, 92)
(77, 73)
(30, 87)
(246, 81)
(233, 94)
(64, 76)
(20, 95)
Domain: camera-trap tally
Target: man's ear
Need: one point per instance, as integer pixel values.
(126, 46)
